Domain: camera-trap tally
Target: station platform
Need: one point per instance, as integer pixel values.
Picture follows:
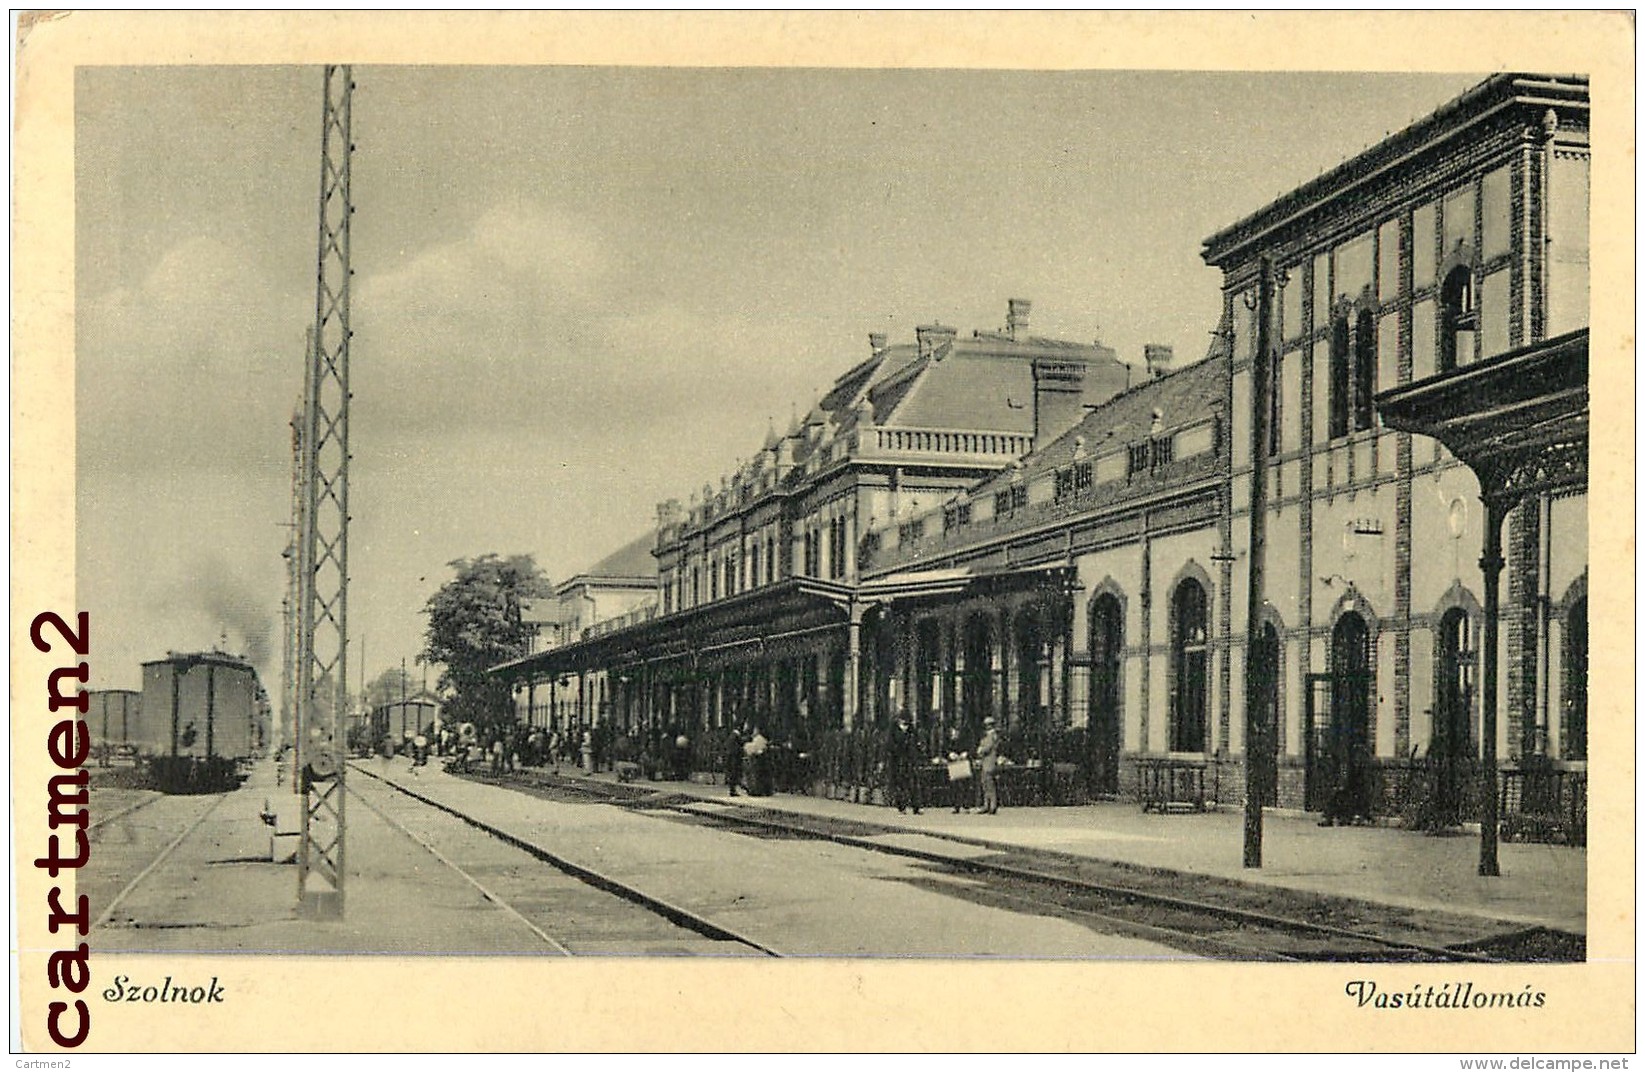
(1540, 885)
(229, 886)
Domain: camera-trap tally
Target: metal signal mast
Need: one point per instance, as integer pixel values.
(322, 638)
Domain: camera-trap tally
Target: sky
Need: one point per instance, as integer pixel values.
(579, 291)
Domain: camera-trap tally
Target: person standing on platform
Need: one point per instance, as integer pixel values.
(960, 785)
(734, 760)
(988, 764)
(903, 761)
(759, 764)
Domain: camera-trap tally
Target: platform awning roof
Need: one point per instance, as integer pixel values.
(792, 606)
(1519, 420)
(786, 612)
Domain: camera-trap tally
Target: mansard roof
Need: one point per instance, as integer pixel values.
(1568, 94)
(1181, 397)
(631, 562)
(983, 383)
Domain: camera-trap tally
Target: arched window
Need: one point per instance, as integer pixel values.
(1190, 661)
(1339, 377)
(1459, 319)
(1107, 647)
(1573, 736)
(1365, 367)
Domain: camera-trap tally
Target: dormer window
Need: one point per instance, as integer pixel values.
(1162, 449)
(1136, 459)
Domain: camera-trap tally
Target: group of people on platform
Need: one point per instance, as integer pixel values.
(970, 772)
(748, 762)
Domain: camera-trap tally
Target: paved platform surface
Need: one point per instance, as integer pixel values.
(220, 882)
(219, 893)
(798, 897)
(1539, 885)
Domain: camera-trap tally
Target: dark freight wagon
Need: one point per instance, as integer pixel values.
(202, 715)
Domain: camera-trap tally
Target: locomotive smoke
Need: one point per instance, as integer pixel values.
(240, 612)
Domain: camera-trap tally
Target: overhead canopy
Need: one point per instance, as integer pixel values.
(772, 618)
(800, 605)
(948, 581)
(1519, 420)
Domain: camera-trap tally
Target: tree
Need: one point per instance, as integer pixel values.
(389, 687)
(473, 625)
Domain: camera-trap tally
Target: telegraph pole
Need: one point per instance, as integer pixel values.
(323, 612)
(292, 602)
(1257, 742)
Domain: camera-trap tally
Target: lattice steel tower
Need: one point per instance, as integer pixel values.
(322, 663)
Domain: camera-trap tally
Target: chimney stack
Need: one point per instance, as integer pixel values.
(1016, 317)
(933, 337)
(1157, 356)
(876, 341)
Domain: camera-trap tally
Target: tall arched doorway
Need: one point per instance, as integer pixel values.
(1452, 741)
(1107, 648)
(1349, 748)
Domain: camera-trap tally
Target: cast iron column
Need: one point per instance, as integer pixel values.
(1255, 718)
(1490, 564)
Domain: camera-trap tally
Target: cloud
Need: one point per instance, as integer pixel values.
(181, 370)
(530, 313)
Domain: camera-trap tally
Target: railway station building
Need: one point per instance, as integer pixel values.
(1004, 526)
(757, 614)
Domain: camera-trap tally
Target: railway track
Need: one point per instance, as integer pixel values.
(674, 914)
(98, 824)
(1196, 925)
(1192, 925)
(159, 859)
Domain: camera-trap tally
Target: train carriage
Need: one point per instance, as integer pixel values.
(202, 715)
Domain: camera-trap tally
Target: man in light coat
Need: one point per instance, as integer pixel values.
(988, 763)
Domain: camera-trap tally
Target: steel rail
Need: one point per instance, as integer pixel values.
(127, 811)
(673, 913)
(1158, 932)
(489, 895)
(1191, 905)
(104, 917)
(1234, 914)
(1230, 913)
